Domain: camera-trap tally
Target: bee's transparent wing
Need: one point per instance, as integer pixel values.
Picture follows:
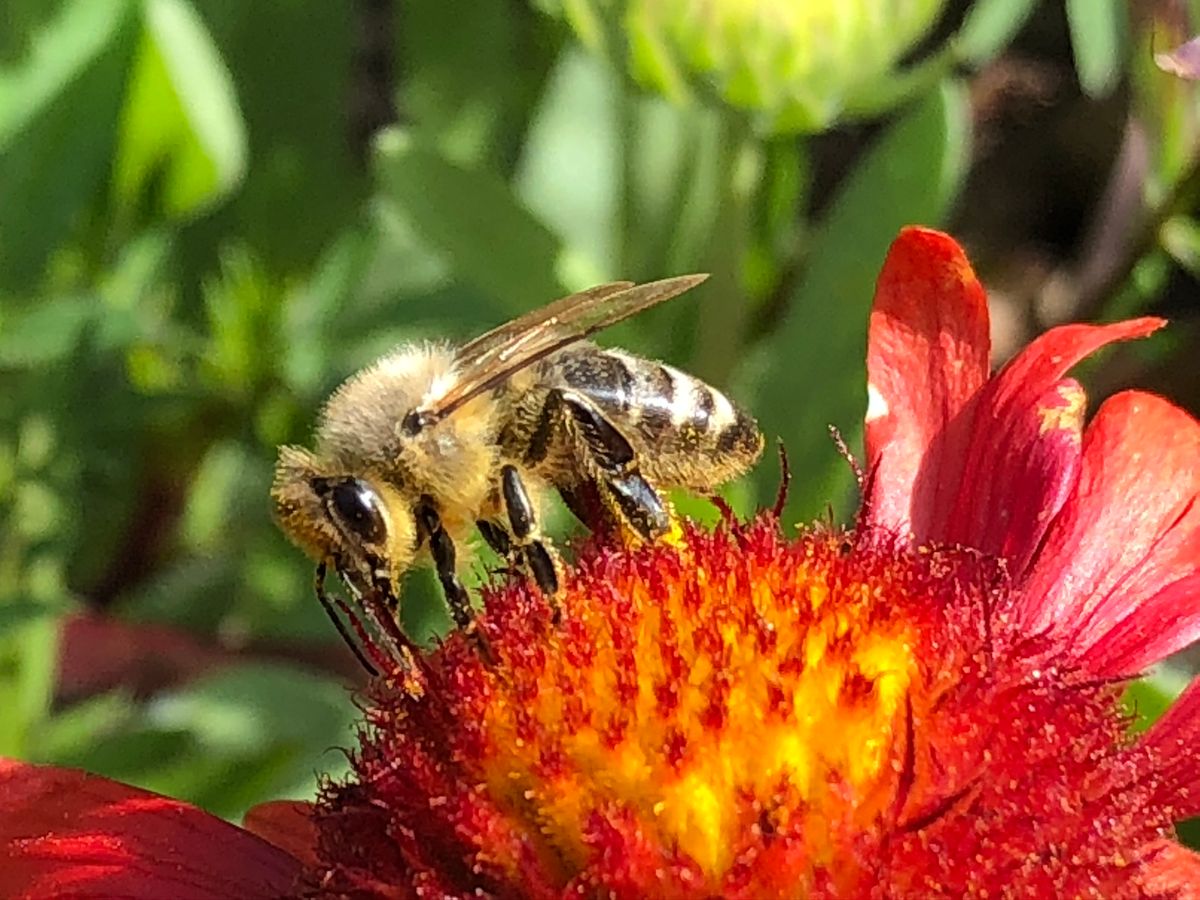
(498, 354)
(494, 344)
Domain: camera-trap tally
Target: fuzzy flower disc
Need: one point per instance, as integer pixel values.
(748, 716)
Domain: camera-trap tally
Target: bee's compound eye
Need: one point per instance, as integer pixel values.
(359, 508)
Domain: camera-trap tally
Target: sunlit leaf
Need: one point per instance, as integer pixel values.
(470, 96)
(45, 333)
(271, 726)
(1098, 42)
(16, 614)
(989, 26)
(181, 125)
(1148, 698)
(58, 109)
(473, 218)
(67, 734)
(570, 173)
(82, 32)
(28, 655)
(244, 707)
(628, 182)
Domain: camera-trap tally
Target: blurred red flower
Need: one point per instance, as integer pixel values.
(67, 835)
(924, 705)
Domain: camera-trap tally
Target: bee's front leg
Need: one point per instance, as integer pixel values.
(441, 548)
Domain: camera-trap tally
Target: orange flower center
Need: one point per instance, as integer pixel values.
(722, 702)
(748, 716)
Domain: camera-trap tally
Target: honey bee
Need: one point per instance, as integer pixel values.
(433, 442)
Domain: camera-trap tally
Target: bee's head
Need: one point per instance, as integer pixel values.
(359, 524)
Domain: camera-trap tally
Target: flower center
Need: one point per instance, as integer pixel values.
(726, 697)
(746, 715)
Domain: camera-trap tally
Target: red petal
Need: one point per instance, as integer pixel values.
(1152, 630)
(1020, 470)
(1128, 534)
(927, 354)
(288, 825)
(1025, 437)
(1172, 871)
(68, 835)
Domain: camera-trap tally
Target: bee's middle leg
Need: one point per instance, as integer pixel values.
(632, 498)
(496, 536)
(527, 543)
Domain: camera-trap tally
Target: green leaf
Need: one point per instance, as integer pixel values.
(629, 183)
(1098, 42)
(570, 173)
(134, 754)
(1180, 237)
(81, 33)
(470, 95)
(22, 20)
(295, 68)
(810, 373)
(633, 187)
(473, 218)
(28, 669)
(69, 733)
(181, 124)
(16, 614)
(261, 733)
(46, 333)
(989, 26)
(1148, 698)
(243, 708)
(58, 110)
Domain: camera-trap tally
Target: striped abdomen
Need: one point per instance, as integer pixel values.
(686, 433)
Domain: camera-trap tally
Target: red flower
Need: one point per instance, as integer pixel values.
(925, 705)
(67, 835)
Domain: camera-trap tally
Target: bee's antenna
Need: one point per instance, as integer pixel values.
(319, 584)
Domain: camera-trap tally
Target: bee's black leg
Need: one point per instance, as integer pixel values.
(496, 537)
(441, 548)
(584, 500)
(540, 558)
(327, 604)
(631, 498)
(640, 505)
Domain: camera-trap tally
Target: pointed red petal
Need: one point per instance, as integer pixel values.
(288, 825)
(1025, 443)
(1019, 472)
(1150, 631)
(927, 355)
(67, 834)
(1129, 532)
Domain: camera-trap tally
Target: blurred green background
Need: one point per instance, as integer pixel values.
(212, 212)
